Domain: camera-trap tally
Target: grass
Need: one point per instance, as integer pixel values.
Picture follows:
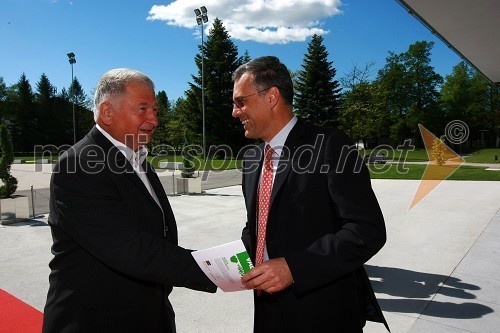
(484, 156)
(475, 173)
(490, 155)
(417, 155)
(416, 171)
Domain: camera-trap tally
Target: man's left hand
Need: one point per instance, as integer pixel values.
(271, 276)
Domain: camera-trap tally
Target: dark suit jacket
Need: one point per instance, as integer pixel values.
(325, 220)
(115, 253)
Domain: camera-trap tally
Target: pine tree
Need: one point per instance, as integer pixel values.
(245, 58)
(220, 60)
(47, 118)
(45, 90)
(3, 100)
(3, 90)
(23, 118)
(77, 94)
(164, 116)
(84, 118)
(62, 123)
(317, 96)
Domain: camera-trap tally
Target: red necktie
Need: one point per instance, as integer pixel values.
(265, 187)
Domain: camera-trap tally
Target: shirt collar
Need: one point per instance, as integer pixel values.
(135, 158)
(278, 141)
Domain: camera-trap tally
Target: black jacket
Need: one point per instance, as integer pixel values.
(116, 257)
(324, 219)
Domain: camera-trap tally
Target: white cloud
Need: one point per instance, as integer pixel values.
(265, 21)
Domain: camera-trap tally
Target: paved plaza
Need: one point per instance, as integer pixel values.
(438, 272)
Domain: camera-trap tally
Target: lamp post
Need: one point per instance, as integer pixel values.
(202, 17)
(72, 60)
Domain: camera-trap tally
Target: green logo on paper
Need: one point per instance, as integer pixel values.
(243, 261)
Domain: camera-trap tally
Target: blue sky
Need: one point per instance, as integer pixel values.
(162, 38)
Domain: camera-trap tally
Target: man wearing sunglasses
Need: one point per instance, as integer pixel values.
(312, 217)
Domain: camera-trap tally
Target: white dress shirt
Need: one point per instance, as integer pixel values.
(135, 159)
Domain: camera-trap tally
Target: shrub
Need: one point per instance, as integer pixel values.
(9, 182)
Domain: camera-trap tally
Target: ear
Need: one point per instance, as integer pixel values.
(106, 113)
(274, 96)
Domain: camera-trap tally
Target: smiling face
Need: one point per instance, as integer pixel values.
(131, 117)
(253, 109)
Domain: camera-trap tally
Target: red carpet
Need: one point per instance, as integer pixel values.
(17, 316)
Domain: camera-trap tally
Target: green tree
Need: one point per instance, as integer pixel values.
(45, 90)
(466, 95)
(188, 112)
(77, 94)
(361, 116)
(175, 133)
(424, 86)
(455, 93)
(175, 126)
(245, 58)
(220, 60)
(3, 90)
(24, 116)
(84, 117)
(410, 91)
(61, 124)
(164, 117)
(47, 120)
(317, 95)
(7, 157)
(3, 99)
(493, 96)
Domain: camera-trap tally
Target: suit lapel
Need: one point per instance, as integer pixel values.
(251, 175)
(253, 168)
(254, 171)
(162, 198)
(116, 161)
(285, 165)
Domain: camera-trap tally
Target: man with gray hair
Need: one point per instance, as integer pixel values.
(116, 257)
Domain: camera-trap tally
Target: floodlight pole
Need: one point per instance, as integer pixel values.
(202, 17)
(203, 92)
(72, 61)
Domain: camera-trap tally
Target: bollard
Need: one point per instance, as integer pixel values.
(32, 201)
(173, 182)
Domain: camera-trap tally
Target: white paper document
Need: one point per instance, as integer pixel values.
(225, 264)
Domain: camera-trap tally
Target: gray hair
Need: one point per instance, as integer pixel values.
(114, 82)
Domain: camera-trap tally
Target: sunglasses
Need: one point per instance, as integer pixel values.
(239, 101)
